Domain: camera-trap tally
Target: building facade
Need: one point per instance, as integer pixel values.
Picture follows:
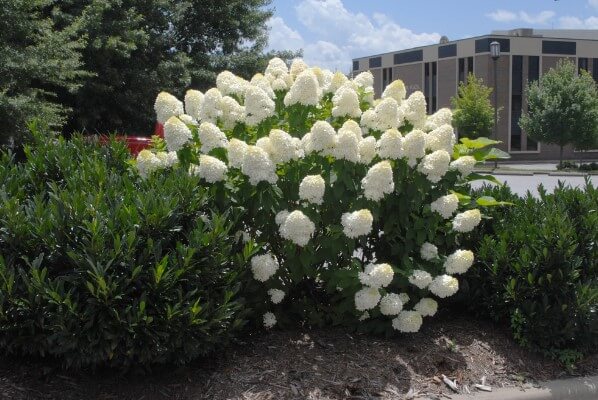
(526, 54)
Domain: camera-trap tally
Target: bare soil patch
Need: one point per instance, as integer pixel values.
(311, 364)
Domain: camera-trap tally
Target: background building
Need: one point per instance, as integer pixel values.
(526, 54)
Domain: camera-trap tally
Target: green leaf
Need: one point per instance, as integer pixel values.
(491, 178)
(478, 143)
(489, 201)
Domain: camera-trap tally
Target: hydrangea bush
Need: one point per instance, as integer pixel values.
(358, 206)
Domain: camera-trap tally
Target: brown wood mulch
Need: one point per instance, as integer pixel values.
(312, 364)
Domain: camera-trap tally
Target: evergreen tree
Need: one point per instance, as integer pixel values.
(473, 112)
(562, 108)
(37, 61)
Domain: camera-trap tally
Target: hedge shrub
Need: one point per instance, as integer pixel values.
(99, 267)
(537, 267)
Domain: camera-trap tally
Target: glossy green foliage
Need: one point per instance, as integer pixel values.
(98, 267)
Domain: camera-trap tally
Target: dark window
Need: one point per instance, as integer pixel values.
(517, 78)
(408, 57)
(516, 101)
(355, 65)
(434, 76)
(558, 47)
(533, 68)
(427, 85)
(386, 77)
(582, 63)
(483, 45)
(595, 69)
(461, 70)
(447, 51)
(469, 65)
(375, 62)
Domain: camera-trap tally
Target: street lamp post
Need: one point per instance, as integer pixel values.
(495, 54)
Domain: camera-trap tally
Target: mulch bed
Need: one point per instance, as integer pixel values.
(312, 364)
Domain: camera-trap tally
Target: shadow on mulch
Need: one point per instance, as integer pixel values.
(310, 364)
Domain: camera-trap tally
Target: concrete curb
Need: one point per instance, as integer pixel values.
(585, 388)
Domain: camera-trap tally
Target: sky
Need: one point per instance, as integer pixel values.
(332, 32)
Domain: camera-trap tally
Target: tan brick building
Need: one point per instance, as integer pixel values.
(526, 54)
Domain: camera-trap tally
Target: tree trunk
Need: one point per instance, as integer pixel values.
(561, 158)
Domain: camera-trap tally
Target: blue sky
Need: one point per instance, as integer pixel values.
(332, 32)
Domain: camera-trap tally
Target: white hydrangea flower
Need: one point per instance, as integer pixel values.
(367, 150)
(395, 90)
(176, 134)
(258, 105)
(345, 103)
(236, 150)
(326, 81)
(427, 307)
(230, 84)
(445, 205)
(464, 164)
(263, 83)
(346, 146)
(387, 114)
(407, 322)
(279, 84)
(377, 275)
(369, 120)
(210, 107)
(364, 316)
(458, 262)
(428, 251)
(357, 223)
(211, 137)
(258, 166)
(391, 304)
(167, 159)
(440, 117)
(414, 146)
(276, 295)
(277, 68)
(210, 169)
(467, 221)
(269, 320)
(420, 278)
(265, 144)
(193, 102)
(404, 298)
(435, 165)
(368, 95)
(390, 145)
(444, 286)
(366, 298)
(232, 112)
(297, 228)
(264, 267)
(187, 119)
(297, 67)
(312, 188)
(441, 138)
(364, 79)
(147, 162)
(281, 216)
(322, 137)
(338, 80)
(415, 109)
(350, 126)
(305, 90)
(167, 106)
(283, 146)
(378, 181)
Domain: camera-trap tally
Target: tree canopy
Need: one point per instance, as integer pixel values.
(474, 114)
(563, 108)
(110, 58)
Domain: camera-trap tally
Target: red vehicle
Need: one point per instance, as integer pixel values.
(136, 143)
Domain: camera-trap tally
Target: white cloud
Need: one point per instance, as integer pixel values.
(509, 16)
(340, 35)
(578, 23)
